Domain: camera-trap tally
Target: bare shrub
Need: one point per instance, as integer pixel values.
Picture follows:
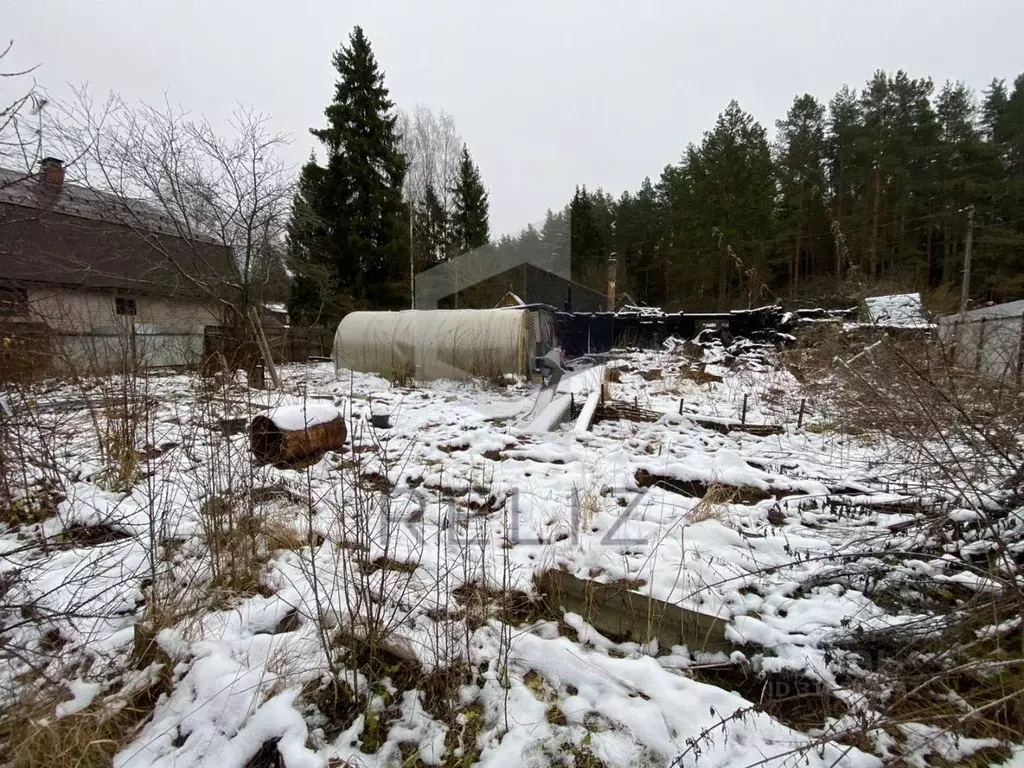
(956, 442)
(236, 540)
(960, 427)
(487, 368)
(402, 374)
(359, 578)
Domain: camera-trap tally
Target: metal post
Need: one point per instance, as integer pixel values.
(743, 418)
(412, 266)
(1020, 351)
(680, 406)
(981, 345)
(800, 417)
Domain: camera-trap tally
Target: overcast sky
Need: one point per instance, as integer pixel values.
(547, 94)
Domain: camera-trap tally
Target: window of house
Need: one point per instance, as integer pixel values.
(13, 301)
(124, 305)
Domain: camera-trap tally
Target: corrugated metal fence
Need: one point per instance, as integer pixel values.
(989, 340)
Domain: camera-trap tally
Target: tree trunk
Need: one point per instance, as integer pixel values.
(723, 278)
(796, 259)
(901, 245)
(928, 254)
(875, 208)
(835, 240)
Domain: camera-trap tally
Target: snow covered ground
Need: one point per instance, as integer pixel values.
(411, 545)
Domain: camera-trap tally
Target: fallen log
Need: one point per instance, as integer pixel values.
(725, 426)
(290, 434)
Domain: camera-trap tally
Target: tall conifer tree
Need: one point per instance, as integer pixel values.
(347, 237)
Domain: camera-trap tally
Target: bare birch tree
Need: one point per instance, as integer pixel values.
(432, 148)
(21, 105)
(210, 208)
(431, 145)
(174, 175)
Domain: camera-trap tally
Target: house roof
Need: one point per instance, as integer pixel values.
(511, 300)
(898, 310)
(75, 236)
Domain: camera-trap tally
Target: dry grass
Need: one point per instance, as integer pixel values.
(88, 739)
(512, 606)
(280, 534)
(713, 505)
(123, 460)
(951, 429)
(700, 375)
(403, 374)
(587, 500)
(811, 359)
(32, 736)
(488, 370)
(240, 540)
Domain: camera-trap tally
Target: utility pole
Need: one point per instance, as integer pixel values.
(965, 285)
(412, 266)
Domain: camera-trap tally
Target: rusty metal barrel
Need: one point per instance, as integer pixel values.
(294, 433)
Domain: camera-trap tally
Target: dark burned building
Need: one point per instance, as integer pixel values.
(531, 285)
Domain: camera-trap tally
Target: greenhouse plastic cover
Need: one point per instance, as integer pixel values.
(436, 344)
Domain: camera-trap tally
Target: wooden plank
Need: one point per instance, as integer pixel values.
(587, 414)
(553, 414)
(261, 339)
(622, 614)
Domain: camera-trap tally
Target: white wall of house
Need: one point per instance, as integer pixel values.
(93, 328)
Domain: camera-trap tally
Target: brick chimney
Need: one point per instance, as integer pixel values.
(52, 173)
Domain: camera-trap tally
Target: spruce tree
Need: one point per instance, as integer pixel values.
(993, 108)
(469, 223)
(1000, 241)
(800, 172)
(555, 235)
(732, 176)
(959, 177)
(844, 146)
(432, 230)
(314, 290)
(585, 246)
(353, 203)
(643, 270)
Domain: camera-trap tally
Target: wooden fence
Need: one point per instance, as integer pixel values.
(287, 344)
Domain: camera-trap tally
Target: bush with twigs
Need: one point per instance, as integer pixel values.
(957, 439)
